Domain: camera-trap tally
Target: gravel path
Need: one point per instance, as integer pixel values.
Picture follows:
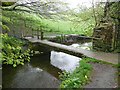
(103, 76)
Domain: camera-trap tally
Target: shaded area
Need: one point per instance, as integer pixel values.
(103, 76)
(43, 61)
(32, 75)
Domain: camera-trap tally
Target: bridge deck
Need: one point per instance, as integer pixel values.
(108, 57)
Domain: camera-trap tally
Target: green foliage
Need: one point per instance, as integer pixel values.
(32, 20)
(93, 60)
(78, 78)
(87, 19)
(114, 10)
(4, 27)
(88, 60)
(64, 75)
(7, 3)
(85, 15)
(82, 24)
(12, 52)
(69, 27)
(5, 20)
(36, 23)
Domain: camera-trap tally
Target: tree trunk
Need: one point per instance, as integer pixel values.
(94, 13)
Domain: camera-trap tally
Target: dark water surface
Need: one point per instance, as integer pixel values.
(39, 73)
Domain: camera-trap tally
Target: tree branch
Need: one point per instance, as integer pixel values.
(43, 8)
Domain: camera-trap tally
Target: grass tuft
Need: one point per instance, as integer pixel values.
(78, 78)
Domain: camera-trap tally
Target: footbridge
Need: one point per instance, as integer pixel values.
(108, 57)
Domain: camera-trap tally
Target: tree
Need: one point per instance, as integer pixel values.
(46, 8)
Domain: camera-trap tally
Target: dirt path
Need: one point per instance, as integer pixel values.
(103, 76)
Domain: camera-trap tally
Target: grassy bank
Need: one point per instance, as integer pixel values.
(78, 78)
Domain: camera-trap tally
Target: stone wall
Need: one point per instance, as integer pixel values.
(118, 37)
(105, 35)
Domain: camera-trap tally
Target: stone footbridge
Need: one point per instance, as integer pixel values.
(107, 57)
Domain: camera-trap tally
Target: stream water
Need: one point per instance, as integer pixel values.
(38, 73)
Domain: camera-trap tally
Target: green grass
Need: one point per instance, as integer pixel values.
(47, 25)
(88, 60)
(78, 78)
(68, 27)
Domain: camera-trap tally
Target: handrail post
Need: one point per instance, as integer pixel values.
(32, 33)
(38, 34)
(42, 36)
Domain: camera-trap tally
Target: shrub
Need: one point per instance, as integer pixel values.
(12, 52)
(78, 78)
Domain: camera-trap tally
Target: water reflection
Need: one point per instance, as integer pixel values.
(68, 62)
(64, 61)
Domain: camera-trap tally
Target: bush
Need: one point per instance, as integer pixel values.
(78, 78)
(12, 52)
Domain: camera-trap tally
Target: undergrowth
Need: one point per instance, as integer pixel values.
(93, 60)
(78, 78)
(12, 51)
